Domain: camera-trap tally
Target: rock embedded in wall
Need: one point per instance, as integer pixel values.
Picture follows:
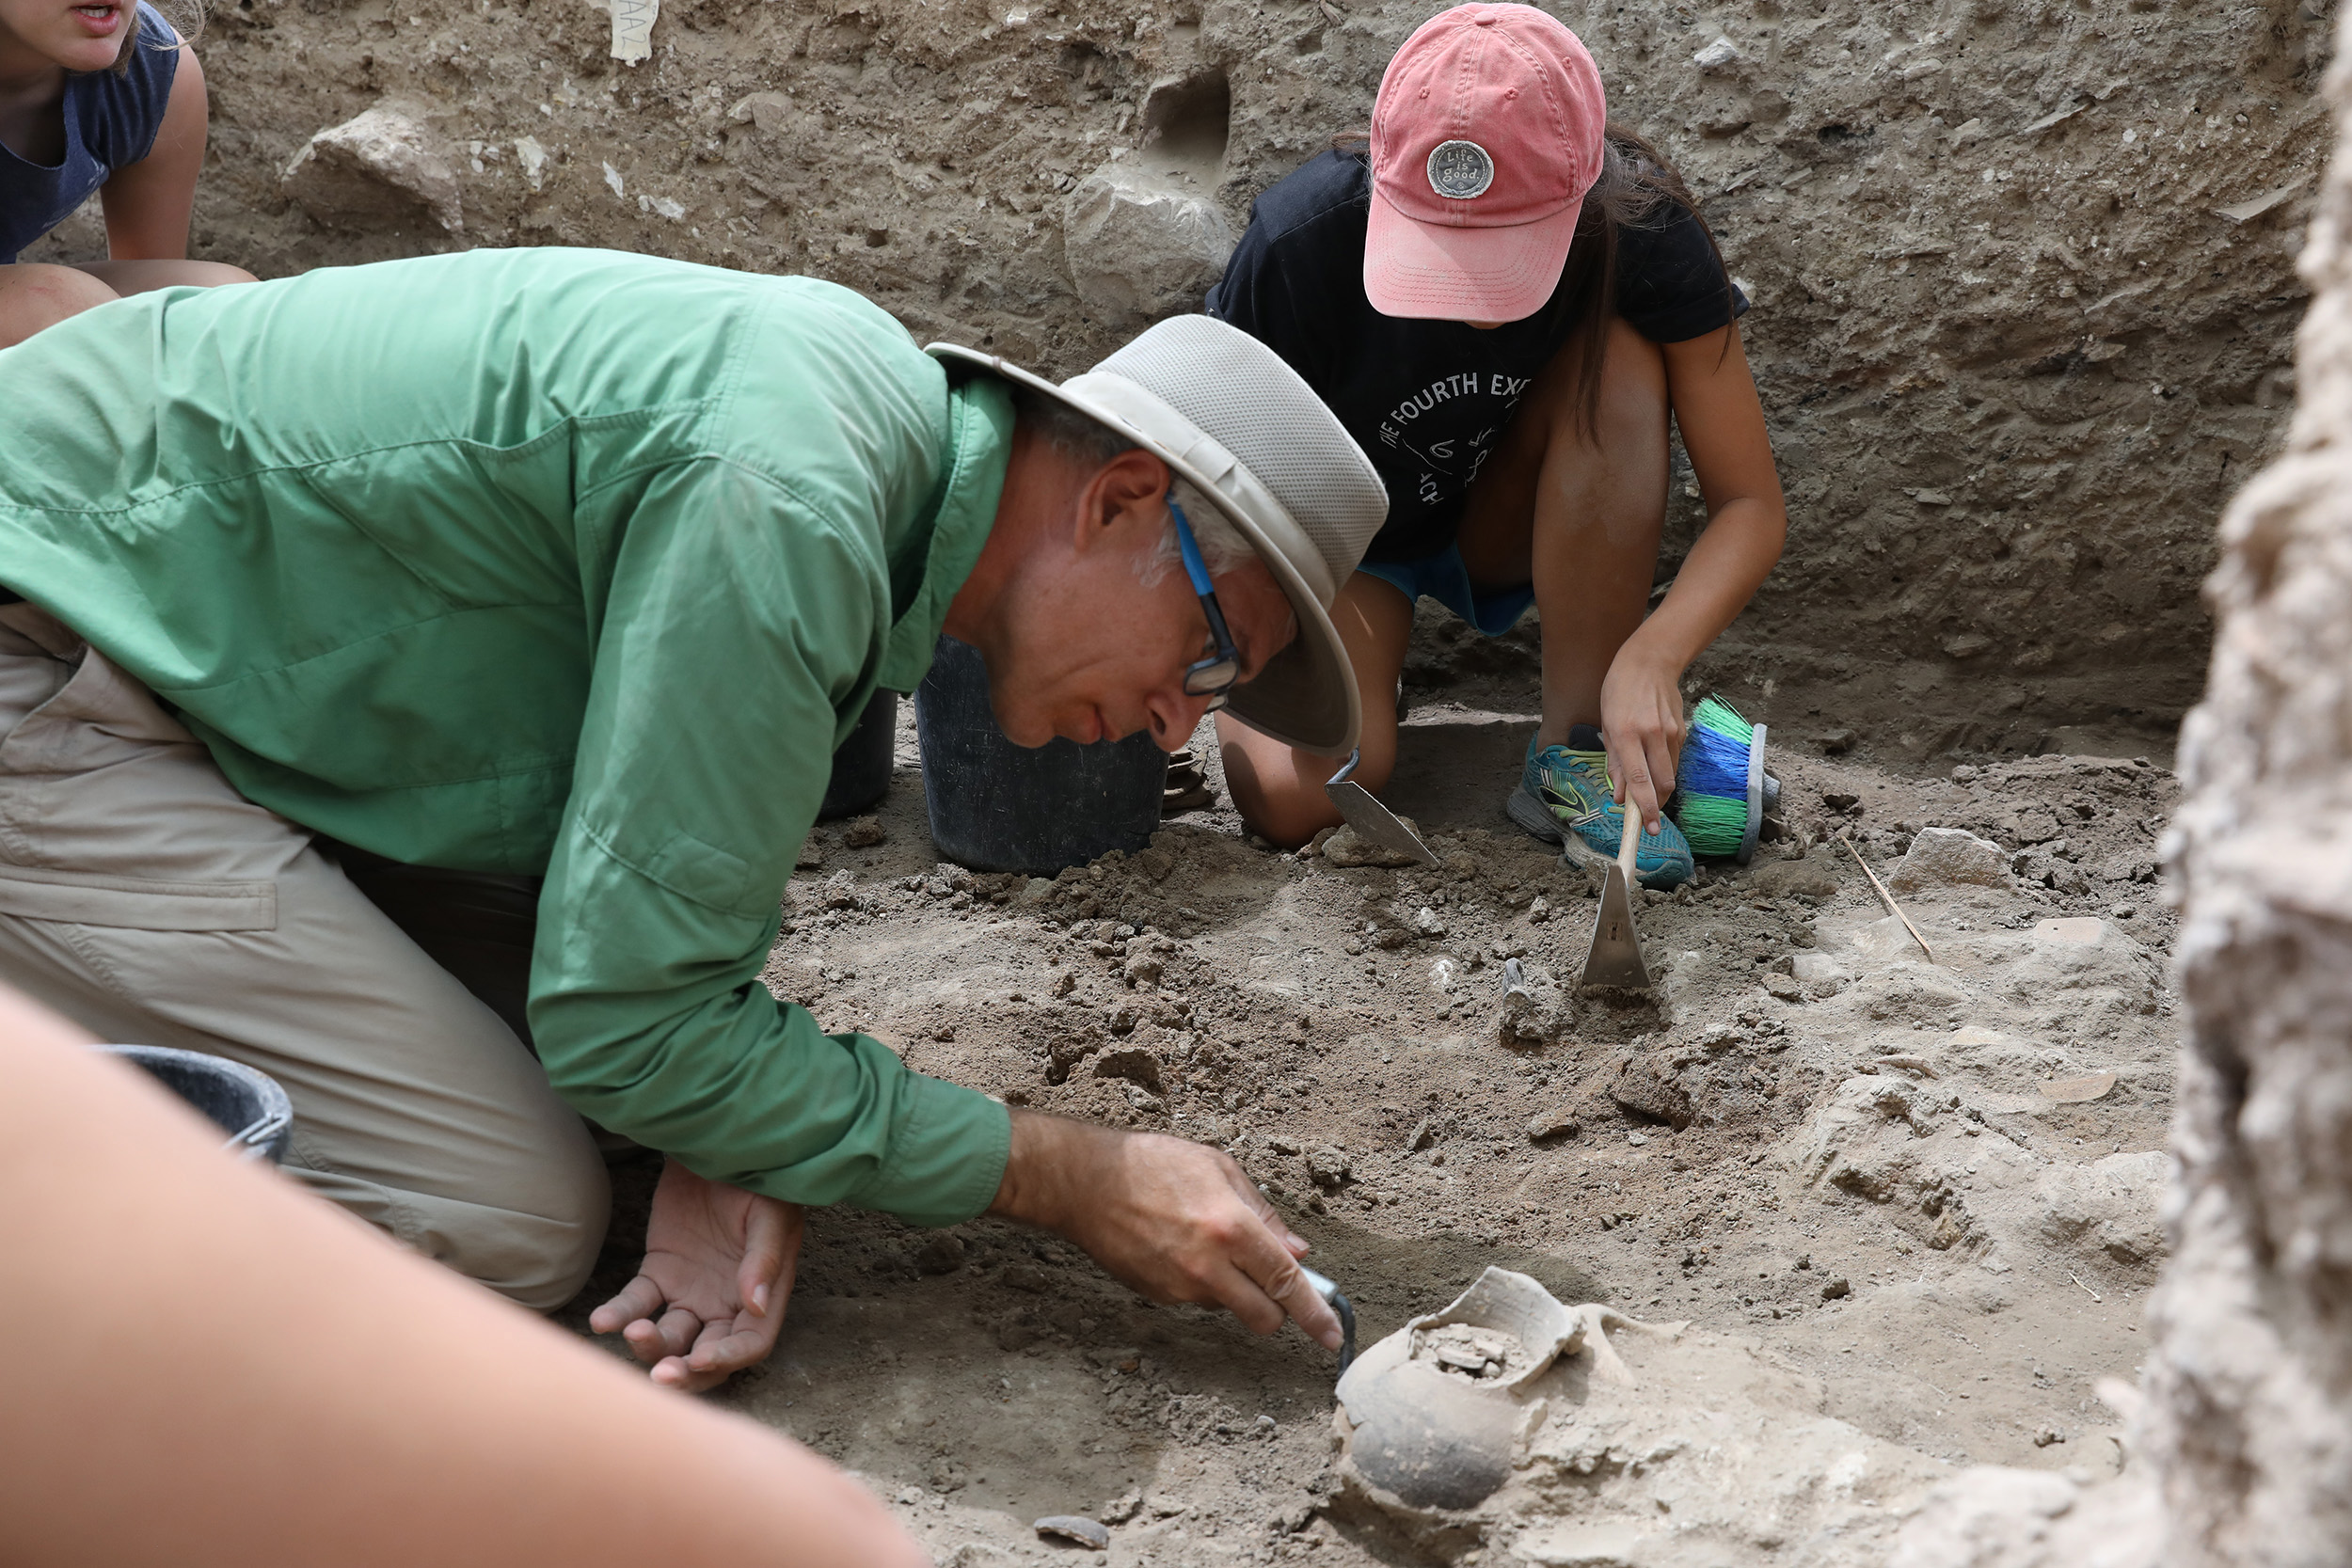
(383, 170)
(1140, 247)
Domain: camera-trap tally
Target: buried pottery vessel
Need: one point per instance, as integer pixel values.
(1435, 1416)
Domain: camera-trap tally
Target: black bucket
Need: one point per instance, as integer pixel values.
(996, 806)
(861, 766)
(244, 1104)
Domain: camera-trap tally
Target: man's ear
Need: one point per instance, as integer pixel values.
(1126, 494)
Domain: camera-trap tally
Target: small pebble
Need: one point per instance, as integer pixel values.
(1636, 1139)
(1836, 1290)
(1075, 1526)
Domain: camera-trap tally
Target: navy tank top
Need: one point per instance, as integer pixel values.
(110, 121)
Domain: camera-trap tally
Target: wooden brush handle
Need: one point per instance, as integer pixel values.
(1632, 836)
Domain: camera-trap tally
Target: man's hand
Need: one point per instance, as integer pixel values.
(708, 1299)
(1176, 1220)
(1641, 723)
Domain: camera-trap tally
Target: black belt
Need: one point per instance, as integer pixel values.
(7, 597)
(478, 925)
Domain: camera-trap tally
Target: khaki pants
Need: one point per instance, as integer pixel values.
(147, 900)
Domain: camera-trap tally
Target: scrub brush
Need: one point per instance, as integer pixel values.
(1722, 791)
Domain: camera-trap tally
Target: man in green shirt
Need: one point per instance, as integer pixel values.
(578, 564)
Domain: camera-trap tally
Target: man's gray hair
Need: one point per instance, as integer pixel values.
(1090, 443)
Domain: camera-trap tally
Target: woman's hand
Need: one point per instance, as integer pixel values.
(708, 1299)
(1715, 406)
(1641, 723)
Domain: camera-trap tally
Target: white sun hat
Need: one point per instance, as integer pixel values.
(1223, 411)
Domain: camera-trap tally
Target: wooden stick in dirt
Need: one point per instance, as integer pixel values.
(1885, 898)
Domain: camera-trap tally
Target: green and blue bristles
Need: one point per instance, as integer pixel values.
(1721, 784)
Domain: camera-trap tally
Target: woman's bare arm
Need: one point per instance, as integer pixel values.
(214, 1369)
(148, 203)
(1721, 421)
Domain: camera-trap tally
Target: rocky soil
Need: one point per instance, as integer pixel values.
(1908, 1203)
(2022, 267)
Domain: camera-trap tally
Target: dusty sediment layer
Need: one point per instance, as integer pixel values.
(1909, 1201)
(2023, 270)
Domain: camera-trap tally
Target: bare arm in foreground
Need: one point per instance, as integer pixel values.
(231, 1373)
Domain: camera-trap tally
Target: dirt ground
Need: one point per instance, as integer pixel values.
(1841, 1163)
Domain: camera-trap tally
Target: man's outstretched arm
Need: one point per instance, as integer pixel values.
(1176, 1220)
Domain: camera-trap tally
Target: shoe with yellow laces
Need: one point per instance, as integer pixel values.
(1565, 789)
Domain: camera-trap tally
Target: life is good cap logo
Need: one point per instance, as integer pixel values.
(1460, 171)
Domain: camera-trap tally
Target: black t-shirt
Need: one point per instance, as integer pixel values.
(1427, 400)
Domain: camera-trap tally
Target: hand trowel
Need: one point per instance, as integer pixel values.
(1372, 821)
(1615, 960)
(1339, 1304)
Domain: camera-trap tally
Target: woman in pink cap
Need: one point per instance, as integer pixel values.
(1504, 300)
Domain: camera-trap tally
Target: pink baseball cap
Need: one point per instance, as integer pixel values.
(1486, 137)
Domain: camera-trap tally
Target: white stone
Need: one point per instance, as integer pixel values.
(1947, 856)
(382, 170)
(1716, 55)
(533, 158)
(1138, 247)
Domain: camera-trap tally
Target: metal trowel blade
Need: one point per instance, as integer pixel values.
(1375, 822)
(1615, 960)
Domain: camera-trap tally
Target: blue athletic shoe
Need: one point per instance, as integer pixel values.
(1565, 788)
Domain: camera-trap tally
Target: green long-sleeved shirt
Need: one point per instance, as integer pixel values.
(546, 560)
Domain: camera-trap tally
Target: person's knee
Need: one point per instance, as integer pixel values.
(531, 1232)
(35, 296)
(1285, 816)
(563, 1236)
(213, 274)
(1281, 797)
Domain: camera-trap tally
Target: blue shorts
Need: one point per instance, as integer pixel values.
(1443, 577)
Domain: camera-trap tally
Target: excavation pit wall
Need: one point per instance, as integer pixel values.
(2022, 271)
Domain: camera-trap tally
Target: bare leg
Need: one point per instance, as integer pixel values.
(1277, 789)
(34, 295)
(1579, 515)
(137, 278)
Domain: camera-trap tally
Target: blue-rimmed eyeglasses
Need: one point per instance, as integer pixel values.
(1212, 677)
